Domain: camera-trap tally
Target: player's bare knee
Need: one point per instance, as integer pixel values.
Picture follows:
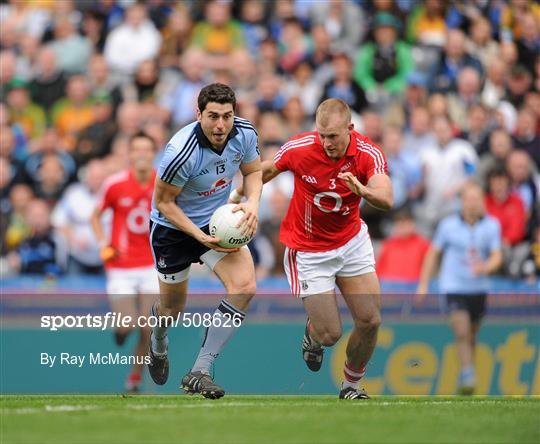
(330, 337)
(369, 324)
(245, 288)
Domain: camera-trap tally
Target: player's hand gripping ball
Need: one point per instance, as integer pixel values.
(223, 225)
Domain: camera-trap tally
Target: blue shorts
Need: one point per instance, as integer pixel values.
(474, 304)
(174, 250)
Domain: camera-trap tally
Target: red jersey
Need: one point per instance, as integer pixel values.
(130, 202)
(324, 213)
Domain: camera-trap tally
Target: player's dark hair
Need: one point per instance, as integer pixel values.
(142, 135)
(217, 93)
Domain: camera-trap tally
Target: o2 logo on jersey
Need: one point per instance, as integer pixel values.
(138, 218)
(321, 202)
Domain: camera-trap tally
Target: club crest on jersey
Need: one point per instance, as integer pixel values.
(237, 158)
(309, 179)
(161, 263)
(345, 167)
(304, 284)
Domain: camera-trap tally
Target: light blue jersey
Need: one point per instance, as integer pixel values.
(461, 244)
(205, 175)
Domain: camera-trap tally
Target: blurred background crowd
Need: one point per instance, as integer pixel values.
(450, 90)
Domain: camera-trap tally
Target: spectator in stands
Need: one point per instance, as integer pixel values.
(382, 65)
(95, 141)
(272, 130)
(244, 71)
(135, 40)
(447, 166)
(494, 88)
(481, 43)
(71, 219)
(8, 62)
(320, 58)
(478, 128)
(100, 81)
(269, 96)
(404, 168)
(343, 86)
(400, 110)
(426, 24)
(453, 59)
(419, 135)
(252, 20)
(344, 21)
(49, 82)
(295, 118)
(37, 254)
(23, 111)
(531, 267)
(176, 36)
(181, 104)
(372, 125)
(470, 246)
(500, 146)
(74, 112)
(526, 136)
(16, 227)
(304, 86)
(293, 44)
(505, 206)
(528, 45)
(218, 35)
(518, 84)
(513, 18)
(128, 120)
(467, 95)
(72, 50)
(402, 253)
(525, 183)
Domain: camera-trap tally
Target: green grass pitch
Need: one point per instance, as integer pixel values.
(267, 419)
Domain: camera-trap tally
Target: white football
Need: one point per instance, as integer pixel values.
(223, 226)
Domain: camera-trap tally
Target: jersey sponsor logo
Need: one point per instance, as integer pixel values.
(309, 179)
(203, 172)
(218, 185)
(125, 202)
(138, 218)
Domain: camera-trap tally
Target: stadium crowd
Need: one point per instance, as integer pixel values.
(449, 90)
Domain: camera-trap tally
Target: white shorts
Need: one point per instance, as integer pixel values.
(313, 272)
(131, 281)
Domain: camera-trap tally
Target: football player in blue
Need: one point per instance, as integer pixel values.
(194, 179)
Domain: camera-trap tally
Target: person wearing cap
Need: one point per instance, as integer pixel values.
(383, 64)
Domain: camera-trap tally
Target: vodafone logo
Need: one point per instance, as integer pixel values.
(218, 185)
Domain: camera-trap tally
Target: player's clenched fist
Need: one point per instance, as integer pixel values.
(107, 253)
(352, 182)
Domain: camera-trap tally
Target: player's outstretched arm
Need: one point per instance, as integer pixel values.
(431, 262)
(269, 171)
(252, 185)
(378, 191)
(106, 252)
(165, 201)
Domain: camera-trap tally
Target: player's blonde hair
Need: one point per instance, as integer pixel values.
(331, 107)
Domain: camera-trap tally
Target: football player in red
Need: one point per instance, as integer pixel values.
(327, 243)
(132, 283)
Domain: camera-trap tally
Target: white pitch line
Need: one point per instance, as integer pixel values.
(220, 404)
